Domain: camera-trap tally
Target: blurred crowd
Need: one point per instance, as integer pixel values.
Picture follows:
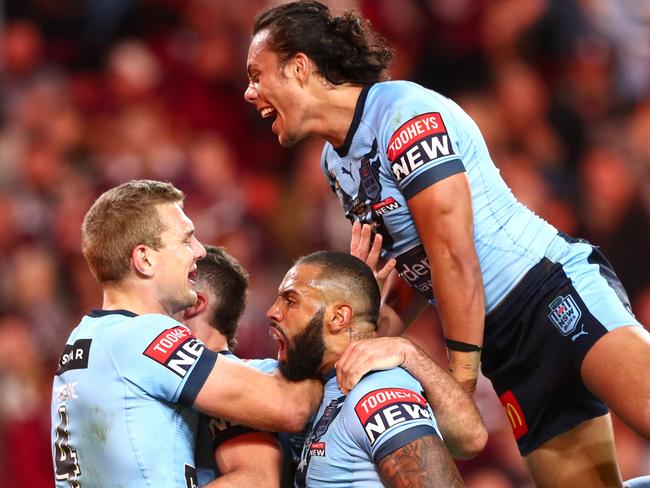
(96, 92)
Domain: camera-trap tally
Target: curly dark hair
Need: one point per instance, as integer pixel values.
(345, 49)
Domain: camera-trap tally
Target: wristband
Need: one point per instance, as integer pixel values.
(461, 346)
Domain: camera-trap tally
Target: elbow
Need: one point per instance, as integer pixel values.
(298, 419)
(472, 444)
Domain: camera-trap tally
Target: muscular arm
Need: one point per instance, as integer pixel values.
(458, 418)
(252, 459)
(241, 394)
(444, 220)
(456, 414)
(425, 462)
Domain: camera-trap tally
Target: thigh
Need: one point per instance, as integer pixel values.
(584, 456)
(616, 370)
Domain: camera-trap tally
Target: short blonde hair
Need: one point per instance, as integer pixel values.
(119, 220)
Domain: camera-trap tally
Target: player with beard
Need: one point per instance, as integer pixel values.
(383, 431)
(542, 313)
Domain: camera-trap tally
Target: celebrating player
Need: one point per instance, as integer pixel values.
(383, 430)
(130, 376)
(546, 311)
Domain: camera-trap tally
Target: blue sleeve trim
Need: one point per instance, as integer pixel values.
(197, 377)
(431, 176)
(231, 433)
(400, 440)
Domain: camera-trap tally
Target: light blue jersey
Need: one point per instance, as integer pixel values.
(121, 402)
(350, 434)
(212, 431)
(405, 138)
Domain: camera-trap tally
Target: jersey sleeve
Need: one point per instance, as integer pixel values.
(386, 411)
(164, 360)
(420, 142)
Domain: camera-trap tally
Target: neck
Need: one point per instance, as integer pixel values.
(136, 299)
(211, 337)
(334, 112)
(335, 349)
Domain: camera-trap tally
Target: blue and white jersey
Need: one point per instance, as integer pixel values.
(350, 434)
(121, 402)
(213, 432)
(403, 139)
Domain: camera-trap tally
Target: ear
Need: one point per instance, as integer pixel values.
(339, 317)
(143, 260)
(301, 67)
(198, 308)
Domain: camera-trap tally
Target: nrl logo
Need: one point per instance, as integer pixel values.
(565, 314)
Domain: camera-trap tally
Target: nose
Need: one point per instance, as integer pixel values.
(199, 250)
(273, 313)
(250, 95)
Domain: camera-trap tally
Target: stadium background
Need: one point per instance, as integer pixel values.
(96, 92)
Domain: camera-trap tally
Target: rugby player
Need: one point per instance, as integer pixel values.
(544, 314)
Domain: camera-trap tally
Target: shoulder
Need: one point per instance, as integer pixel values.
(384, 388)
(265, 365)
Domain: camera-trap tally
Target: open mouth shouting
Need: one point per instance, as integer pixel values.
(268, 112)
(278, 335)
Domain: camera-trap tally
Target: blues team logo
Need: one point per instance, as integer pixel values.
(565, 314)
(369, 172)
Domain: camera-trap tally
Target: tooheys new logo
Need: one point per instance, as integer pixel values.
(417, 142)
(177, 349)
(382, 409)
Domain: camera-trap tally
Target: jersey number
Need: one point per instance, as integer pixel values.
(65, 457)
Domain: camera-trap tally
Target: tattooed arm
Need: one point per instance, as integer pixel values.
(424, 462)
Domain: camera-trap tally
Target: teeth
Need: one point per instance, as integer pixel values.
(267, 112)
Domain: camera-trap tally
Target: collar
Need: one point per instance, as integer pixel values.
(96, 313)
(328, 375)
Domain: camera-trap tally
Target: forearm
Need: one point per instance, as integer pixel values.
(240, 394)
(456, 414)
(459, 293)
(444, 219)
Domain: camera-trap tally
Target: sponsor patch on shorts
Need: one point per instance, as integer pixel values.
(514, 413)
(382, 409)
(176, 349)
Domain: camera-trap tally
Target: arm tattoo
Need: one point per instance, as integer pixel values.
(423, 463)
